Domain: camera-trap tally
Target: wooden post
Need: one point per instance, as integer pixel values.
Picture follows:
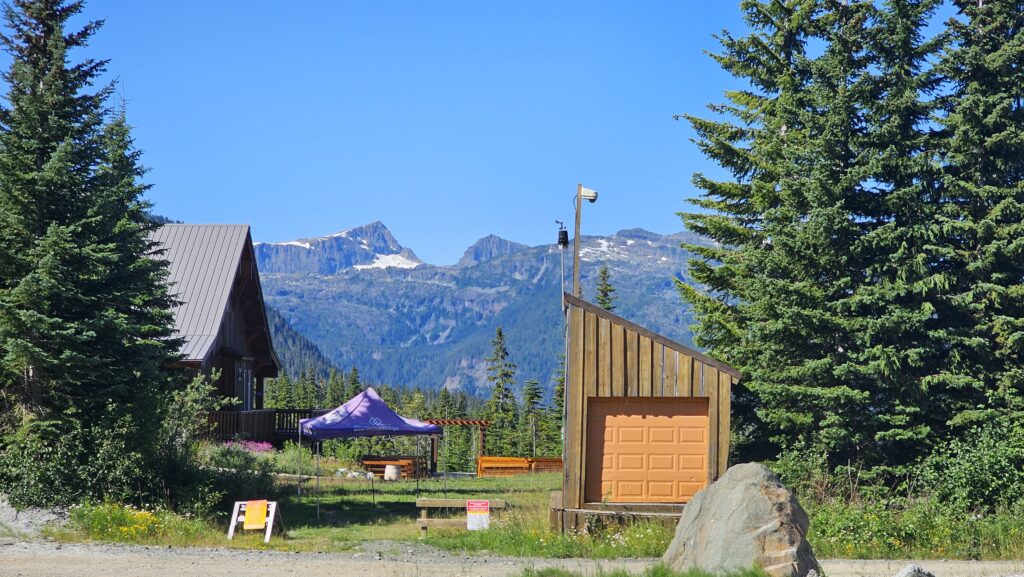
(576, 290)
(423, 526)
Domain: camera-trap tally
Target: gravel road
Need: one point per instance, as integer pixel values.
(375, 559)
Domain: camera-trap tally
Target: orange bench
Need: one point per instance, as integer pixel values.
(488, 466)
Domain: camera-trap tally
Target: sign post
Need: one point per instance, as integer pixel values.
(478, 514)
(255, 515)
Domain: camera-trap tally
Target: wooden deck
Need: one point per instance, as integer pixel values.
(271, 425)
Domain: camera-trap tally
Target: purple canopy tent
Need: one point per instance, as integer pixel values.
(364, 415)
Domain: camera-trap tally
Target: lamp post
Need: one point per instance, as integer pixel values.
(582, 193)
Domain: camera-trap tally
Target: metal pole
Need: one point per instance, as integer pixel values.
(318, 481)
(576, 291)
(298, 467)
(561, 293)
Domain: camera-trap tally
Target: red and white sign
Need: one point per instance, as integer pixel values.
(478, 514)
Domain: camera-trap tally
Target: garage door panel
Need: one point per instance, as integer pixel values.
(692, 435)
(661, 489)
(661, 434)
(629, 489)
(630, 435)
(651, 450)
(692, 462)
(661, 462)
(630, 462)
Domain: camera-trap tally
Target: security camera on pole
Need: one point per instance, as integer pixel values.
(581, 193)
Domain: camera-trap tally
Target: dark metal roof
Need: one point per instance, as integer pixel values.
(203, 263)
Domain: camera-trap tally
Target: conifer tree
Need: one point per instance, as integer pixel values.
(531, 421)
(982, 221)
(280, 393)
(306, 391)
(898, 357)
(605, 291)
(85, 320)
(758, 281)
(335, 394)
(502, 408)
(826, 285)
(353, 386)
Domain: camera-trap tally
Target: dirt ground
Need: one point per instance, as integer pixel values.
(376, 559)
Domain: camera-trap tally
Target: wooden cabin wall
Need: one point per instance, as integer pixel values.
(609, 358)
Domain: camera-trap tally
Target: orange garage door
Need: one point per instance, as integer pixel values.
(646, 450)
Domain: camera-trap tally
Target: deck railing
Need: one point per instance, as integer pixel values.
(262, 425)
(286, 421)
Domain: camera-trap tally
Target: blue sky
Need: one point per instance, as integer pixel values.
(445, 120)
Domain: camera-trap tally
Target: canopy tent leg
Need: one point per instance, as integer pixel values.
(298, 467)
(318, 447)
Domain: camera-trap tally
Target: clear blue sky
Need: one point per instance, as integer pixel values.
(445, 120)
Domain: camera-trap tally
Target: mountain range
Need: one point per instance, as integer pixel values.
(366, 301)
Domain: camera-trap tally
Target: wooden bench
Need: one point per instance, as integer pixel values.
(426, 521)
(501, 466)
(487, 466)
(545, 464)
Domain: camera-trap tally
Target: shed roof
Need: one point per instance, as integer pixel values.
(600, 312)
(203, 260)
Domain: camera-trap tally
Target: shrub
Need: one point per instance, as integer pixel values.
(55, 463)
(295, 460)
(981, 472)
(237, 474)
(252, 446)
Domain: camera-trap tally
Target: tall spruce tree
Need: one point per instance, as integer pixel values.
(335, 393)
(982, 220)
(353, 386)
(605, 291)
(85, 319)
(531, 419)
(816, 288)
(502, 408)
(763, 308)
(895, 311)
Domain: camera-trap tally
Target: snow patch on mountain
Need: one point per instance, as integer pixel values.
(389, 261)
(305, 245)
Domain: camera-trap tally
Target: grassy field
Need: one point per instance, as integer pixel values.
(352, 512)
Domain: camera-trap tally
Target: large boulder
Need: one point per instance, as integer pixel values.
(746, 518)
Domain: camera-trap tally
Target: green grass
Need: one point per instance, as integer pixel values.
(921, 529)
(351, 513)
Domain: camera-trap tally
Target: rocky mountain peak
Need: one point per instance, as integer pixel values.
(487, 248)
(368, 246)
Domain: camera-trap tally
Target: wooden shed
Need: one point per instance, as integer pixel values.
(647, 419)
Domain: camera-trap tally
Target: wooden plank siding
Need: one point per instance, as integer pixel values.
(612, 357)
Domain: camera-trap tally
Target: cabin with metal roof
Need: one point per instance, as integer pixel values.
(220, 317)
